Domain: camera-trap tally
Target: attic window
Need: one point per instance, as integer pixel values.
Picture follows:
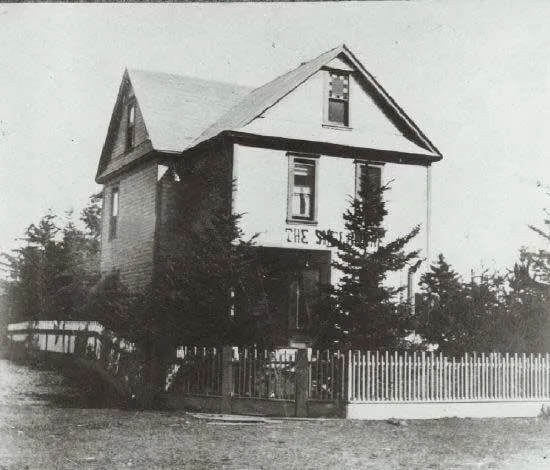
(337, 108)
(131, 126)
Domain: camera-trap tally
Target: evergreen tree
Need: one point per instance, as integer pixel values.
(366, 311)
(525, 322)
(51, 274)
(207, 288)
(445, 315)
(490, 313)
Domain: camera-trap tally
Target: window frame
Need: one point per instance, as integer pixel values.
(130, 125)
(359, 164)
(326, 100)
(114, 210)
(308, 159)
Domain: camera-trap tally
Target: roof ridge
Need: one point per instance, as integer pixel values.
(237, 115)
(187, 77)
(301, 64)
(288, 72)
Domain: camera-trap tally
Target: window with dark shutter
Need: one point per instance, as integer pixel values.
(367, 172)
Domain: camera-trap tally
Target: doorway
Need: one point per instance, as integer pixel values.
(292, 283)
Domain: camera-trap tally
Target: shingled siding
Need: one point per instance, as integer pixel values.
(131, 251)
(186, 205)
(169, 193)
(119, 141)
(117, 155)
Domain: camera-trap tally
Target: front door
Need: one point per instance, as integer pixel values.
(292, 285)
(303, 293)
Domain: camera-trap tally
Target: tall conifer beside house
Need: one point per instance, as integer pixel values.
(289, 153)
(368, 313)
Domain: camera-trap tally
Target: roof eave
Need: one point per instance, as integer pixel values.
(111, 128)
(159, 155)
(389, 99)
(318, 147)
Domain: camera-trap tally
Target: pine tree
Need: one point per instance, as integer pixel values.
(207, 288)
(442, 308)
(525, 322)
(460, 316)
(51, 274)
(366, 311)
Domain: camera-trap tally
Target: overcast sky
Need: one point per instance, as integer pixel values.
(475, 77)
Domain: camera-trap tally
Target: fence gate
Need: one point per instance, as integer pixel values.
(298, 381)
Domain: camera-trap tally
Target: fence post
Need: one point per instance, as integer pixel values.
(302, 381)
(227, 379)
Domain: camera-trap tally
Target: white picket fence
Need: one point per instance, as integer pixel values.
(409, 377)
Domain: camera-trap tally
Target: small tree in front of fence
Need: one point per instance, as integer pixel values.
(443, 309)
(525, 321)
(363, 310)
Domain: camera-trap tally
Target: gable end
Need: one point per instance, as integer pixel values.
(127, 136)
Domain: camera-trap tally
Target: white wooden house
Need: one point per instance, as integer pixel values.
(295, 148)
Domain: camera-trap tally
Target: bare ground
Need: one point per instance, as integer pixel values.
(38, 437)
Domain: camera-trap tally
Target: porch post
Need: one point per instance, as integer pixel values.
(227, 379)
(302, 382)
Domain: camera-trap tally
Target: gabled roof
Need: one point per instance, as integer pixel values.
(177, 109)
(266, 96)
(183, 112)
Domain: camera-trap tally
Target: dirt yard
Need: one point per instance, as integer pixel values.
(45, 424)
(38, 437)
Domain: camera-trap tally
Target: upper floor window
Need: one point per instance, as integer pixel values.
(371, 172)
(131, 126)
(302, 188)
(113, 219)
(337, 106)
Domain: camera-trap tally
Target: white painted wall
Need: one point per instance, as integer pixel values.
(300, 115)
(262, 175)
(261, 196)
(306, 103)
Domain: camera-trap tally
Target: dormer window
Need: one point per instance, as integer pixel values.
(337, 106)
(131, 126)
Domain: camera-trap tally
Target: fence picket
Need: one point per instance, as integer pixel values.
(546, 376)
(377, 377)
(408, 377)
(400, 396)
